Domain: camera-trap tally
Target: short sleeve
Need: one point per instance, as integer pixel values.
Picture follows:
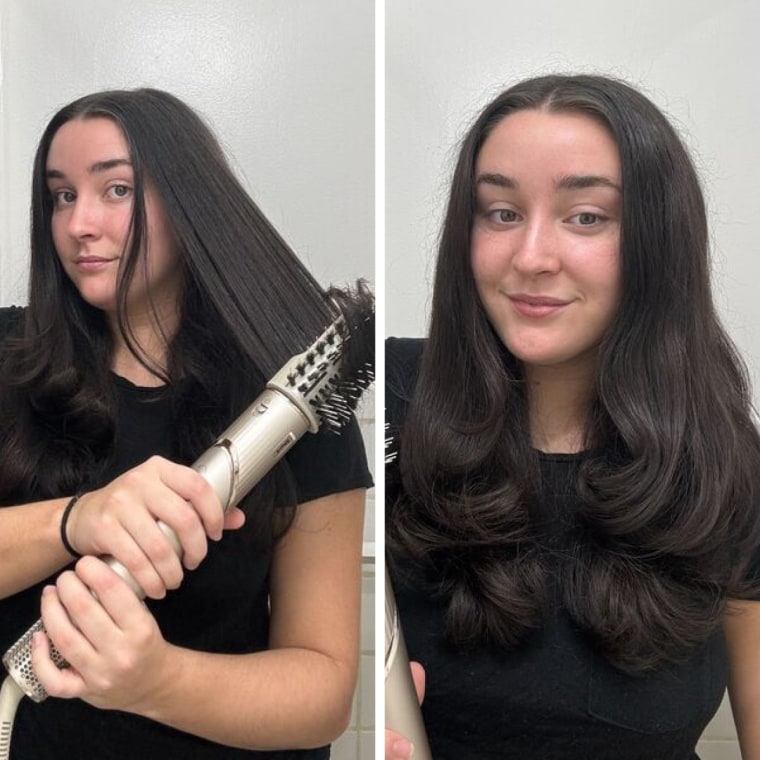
(402, 360)
(751, 590)
(10, 318)
(326, 462)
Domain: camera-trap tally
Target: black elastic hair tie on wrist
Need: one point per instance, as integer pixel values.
(64, 520)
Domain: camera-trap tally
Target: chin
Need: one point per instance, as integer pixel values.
(101, 301)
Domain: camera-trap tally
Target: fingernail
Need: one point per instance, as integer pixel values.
(402, 749)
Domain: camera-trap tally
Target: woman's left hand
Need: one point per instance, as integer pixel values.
(115, 650)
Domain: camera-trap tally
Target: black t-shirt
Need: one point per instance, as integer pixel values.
(222, 606)
(555, 697)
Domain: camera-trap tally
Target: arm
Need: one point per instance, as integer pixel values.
(30, 544)
(118, 519)
(742, 629)
(296, 695)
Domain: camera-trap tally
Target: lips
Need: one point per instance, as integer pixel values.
(92, 263)
(537, 306)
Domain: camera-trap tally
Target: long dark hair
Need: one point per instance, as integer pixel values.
(247, 305)
(668, 489)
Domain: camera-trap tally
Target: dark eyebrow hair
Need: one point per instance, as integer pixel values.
(581, 182)
(570, 182)
(500, 180)
(98, 166)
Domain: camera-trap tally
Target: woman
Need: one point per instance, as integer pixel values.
(573, 509)
(161, 300)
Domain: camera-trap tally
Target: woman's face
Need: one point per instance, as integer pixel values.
(546, 235)
(91, 179)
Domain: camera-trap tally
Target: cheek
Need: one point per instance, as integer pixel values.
(486, 260)
(58, 234)
(119, 226)
(610, 275)
(606, 279)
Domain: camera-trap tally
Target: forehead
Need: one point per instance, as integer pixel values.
(561, 143)
(83, 140)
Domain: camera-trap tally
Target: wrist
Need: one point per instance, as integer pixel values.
(159, 699)
(65, 517)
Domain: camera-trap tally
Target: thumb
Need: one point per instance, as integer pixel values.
(234, 518)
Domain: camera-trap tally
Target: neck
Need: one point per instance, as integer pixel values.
(150, 343)
(559, 399)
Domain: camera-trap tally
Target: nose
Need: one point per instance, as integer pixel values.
(84, 219)
(537, 250)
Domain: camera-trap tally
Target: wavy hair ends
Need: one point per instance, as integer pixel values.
(668, 490)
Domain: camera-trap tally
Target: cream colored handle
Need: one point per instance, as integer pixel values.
(402, 708)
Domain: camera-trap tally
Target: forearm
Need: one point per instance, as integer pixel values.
(741, 626)
(30, 544)
(745, 705)
(277, 699)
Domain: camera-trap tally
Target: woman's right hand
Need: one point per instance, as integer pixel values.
(398, 747)
(120, 519)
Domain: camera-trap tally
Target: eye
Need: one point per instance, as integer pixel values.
(503, 216)
(587, 218)
(119, 192)
(63, 198)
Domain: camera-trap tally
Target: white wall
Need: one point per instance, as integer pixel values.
(697, 59)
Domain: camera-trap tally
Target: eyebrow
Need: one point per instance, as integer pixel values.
(97, 167)
(569, 182)
(500, 180)
(581, 182)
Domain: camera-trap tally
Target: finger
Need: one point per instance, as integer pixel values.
(419, 678)
(117, 606)
(127, 550)
(155, 555)
(195, 489)
(396, 746)
(234, 518)
(61, 629)
(191, 508)
(57, 682)
(164, 503)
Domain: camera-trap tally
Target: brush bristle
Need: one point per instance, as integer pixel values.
(391, 446)
(357, 371)
(333, 373)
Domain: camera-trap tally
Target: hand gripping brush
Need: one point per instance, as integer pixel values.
(322, 385)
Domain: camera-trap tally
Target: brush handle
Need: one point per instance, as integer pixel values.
(402, 707)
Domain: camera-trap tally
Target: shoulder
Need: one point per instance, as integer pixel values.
(403, 349)
(402, 367)
(10, 318)
(329, 462)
